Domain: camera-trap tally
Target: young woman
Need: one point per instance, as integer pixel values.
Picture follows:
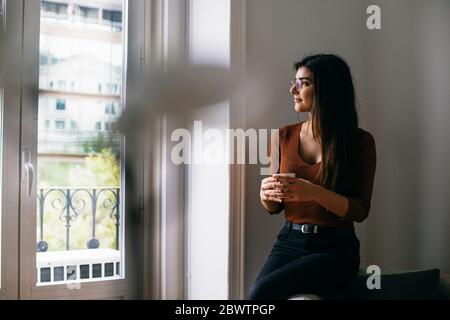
(334, 162)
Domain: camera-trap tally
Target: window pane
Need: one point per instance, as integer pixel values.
(79, 172)
(53, 8)
(60, 124)
(60, 105)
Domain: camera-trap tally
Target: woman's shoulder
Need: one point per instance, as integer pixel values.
(366, 141)
(287, 130)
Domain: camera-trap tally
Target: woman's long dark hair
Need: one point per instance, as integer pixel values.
(334, 121)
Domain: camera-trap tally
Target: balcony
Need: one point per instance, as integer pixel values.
(69, 248)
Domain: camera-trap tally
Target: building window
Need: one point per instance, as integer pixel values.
(54, 8)
(87, 13)
(107, 126)
(47, 124)
(109, 109)
(43, 60)
(98, 126)
(111, 16)
(73, 125)
(60, 105)
(112, 88)
(61, 85)
(60, 124)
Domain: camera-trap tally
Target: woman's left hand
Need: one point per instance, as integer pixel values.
(295, 189)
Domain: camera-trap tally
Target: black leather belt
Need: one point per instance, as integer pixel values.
(311, 228)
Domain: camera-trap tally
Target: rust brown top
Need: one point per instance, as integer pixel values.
(310, 211)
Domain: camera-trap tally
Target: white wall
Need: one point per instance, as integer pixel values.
(208, 211)
(401, 75)
(407, 81)
(209, 32)
(208, 185)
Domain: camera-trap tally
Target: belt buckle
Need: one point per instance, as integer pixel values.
(305, 229)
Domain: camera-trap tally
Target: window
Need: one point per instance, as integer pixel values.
(43, 60)
(107, 126)
(53, 8)
(60, 124)
(84, 58)
(87, 13)
(60, 105)
(111, 16)
(109, 109)
(73, 125)
(111, 88)
(114, 88)
(47, 124)
(61, 85)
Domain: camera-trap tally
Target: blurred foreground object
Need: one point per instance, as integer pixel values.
(178, 92)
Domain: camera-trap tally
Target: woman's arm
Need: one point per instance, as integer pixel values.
(297, 189)
(332, 201)
(272, 207)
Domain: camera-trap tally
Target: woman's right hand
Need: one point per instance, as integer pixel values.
(269, 186)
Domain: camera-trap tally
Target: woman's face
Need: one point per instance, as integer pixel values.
(304, 95)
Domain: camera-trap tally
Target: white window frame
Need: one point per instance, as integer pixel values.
(236, 259)
(128, 288)
(10, 31)
(166, 44)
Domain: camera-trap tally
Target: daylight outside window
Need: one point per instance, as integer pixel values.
(79, 216)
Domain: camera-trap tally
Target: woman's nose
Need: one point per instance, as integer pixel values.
(293, 90)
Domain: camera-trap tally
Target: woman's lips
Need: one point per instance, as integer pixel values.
(298, 100)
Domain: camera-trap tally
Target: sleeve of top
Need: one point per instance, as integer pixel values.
(359, 205)
(275, 160)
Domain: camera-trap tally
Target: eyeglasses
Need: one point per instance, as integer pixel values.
(298, 83)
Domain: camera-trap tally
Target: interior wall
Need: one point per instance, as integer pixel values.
(208, 180)
(401, 77)
(407, 75)
(208, 205)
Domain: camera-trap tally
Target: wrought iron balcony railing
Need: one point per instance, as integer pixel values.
(71, 203)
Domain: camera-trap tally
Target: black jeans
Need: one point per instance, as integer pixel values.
(308, 263)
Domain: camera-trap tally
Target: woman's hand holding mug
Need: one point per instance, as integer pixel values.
(291, 189)
(271, 187)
